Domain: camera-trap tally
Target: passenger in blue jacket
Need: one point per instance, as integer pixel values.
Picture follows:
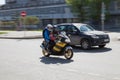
(46, 32)
(46, 35)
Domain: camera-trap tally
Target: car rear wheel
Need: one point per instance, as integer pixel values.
(101, 46)
(85, 44)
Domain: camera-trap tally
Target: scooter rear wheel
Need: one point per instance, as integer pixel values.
(45, 53)
(68, 54)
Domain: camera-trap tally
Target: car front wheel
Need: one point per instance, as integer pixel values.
(85, 44)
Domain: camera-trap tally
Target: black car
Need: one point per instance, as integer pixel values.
(84, 35)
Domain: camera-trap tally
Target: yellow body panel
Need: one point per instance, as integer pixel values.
(60, 45)
(56, 49)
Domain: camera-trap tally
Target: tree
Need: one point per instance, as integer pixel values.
(30, 20)
(78, 7)
(8, 24)
(5, 23)
(94, 9)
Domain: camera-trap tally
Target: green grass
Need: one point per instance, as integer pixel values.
(39, 30)
(3, 32)
(36, 30)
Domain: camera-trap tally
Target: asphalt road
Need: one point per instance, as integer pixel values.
(23, 60)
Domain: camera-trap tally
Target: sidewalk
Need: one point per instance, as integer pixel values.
(114, 35)
(38, 34)
(21, 35)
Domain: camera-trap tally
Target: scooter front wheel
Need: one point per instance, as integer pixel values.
(68, 54)
(45, 53)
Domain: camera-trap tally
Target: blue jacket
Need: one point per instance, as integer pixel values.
(46, 35)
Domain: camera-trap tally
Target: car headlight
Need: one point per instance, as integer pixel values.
(94, 36)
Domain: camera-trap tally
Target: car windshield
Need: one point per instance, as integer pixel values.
(85, 28)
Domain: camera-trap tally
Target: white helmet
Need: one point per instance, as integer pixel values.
(49, 26)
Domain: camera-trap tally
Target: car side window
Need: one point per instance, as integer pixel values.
(62, 28)
(71, 28)
(84, 28)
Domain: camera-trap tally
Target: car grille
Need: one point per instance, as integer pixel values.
(103, 36)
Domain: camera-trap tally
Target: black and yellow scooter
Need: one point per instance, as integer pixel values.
(61, 47)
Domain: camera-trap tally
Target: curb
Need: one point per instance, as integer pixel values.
(27, 37)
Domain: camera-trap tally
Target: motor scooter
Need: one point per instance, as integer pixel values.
(61, 47)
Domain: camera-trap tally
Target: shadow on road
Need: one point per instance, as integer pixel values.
(92, 50)
(54, 60)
